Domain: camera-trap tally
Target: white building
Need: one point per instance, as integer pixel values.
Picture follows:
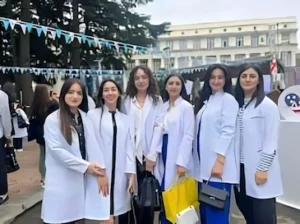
(204, 43)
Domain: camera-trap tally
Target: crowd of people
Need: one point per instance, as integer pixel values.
(93, 159)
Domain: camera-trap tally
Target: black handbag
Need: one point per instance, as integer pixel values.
(11, 162)
(213, 196)
(149, 194)
(21, 122)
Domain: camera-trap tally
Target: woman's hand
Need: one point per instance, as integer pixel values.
(131, 184)
(103, 185)
(149, 165)
(95, 169)
(261, 177)
(180, 171)
(217, 170)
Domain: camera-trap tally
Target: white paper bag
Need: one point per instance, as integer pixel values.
(187, 216)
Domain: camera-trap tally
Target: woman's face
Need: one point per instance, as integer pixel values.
(141, 80)
(217, 80)
(74, 96)
(174, 87)
(249, 80)
(110, 93)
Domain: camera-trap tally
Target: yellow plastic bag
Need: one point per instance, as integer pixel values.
(180, 196)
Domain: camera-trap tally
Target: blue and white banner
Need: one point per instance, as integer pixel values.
(60, 72)
(69, 37)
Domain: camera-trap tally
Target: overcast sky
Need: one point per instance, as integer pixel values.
(198, 11)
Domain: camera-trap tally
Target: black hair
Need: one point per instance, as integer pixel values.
(259, 93)
(183, 92)
(206, 91)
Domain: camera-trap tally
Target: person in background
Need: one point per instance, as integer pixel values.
(71, 145)
(142, 104)
(177, 137)
(216, 160)
(112, 129)
(20, 133)
(42, 106)
(257, 139)
(5, 138)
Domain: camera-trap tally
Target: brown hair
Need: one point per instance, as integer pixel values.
(40, 101)
(152, 91)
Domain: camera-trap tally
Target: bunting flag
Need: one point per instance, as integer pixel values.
(69, 37)
(60, 72)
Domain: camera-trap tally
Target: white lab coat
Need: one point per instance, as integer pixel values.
(151, 133)
(181, 126)
(218, 118)
(20, 132)
(91, 103)
(98, 206)
(64, 195)
(260, 134)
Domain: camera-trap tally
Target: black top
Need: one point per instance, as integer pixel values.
(78, 125)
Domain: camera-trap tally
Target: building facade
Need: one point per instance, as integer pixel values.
(194, 45)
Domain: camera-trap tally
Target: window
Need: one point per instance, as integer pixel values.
(196, 31)
(210, 31)
(240, 29)
(225, 58)
(210, 59)
(225, 30)
(239, 41)
(285, 26)
(196, 44)
(254, 55)
(254, 41)
(182, 45)
(239, 56)
(197, 61)
(182, 33)
(169, 44)
(224, 42)
(210, 43)
(254, 28)
(156, 64)
(183, 62)
(285, 37)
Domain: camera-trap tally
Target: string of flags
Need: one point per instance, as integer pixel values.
(70, 36)
(60, 72)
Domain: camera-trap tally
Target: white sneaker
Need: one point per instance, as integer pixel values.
(19, 150)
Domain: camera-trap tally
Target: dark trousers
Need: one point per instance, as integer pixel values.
(64, 223)
(255, 211)
(18, 143)
(3, 174)
(144, 215)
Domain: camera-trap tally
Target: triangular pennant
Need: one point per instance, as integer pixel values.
(71, 37)
(83, 39)
(5, 23)
(95, 42)
(12, 23)
(29, 27)
(67, 37)
(45, 30)
(58, 33)
(39, 31)
(53, 34)
(23, 26)
(90, 42)
(79, 39)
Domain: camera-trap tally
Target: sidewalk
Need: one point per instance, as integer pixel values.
(24, 185)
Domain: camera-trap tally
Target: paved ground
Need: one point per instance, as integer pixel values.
(285, 216)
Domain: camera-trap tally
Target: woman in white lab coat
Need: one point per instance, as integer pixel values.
(20, 133)
(70, 145)
(257, 137)
(175, 158)
(112, 129)
(143, 104)
(217, 161)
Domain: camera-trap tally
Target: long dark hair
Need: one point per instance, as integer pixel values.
(152, 91)
(259, 93)
(64, 112)
(40, 101)
(183, 92)
(206, 91)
